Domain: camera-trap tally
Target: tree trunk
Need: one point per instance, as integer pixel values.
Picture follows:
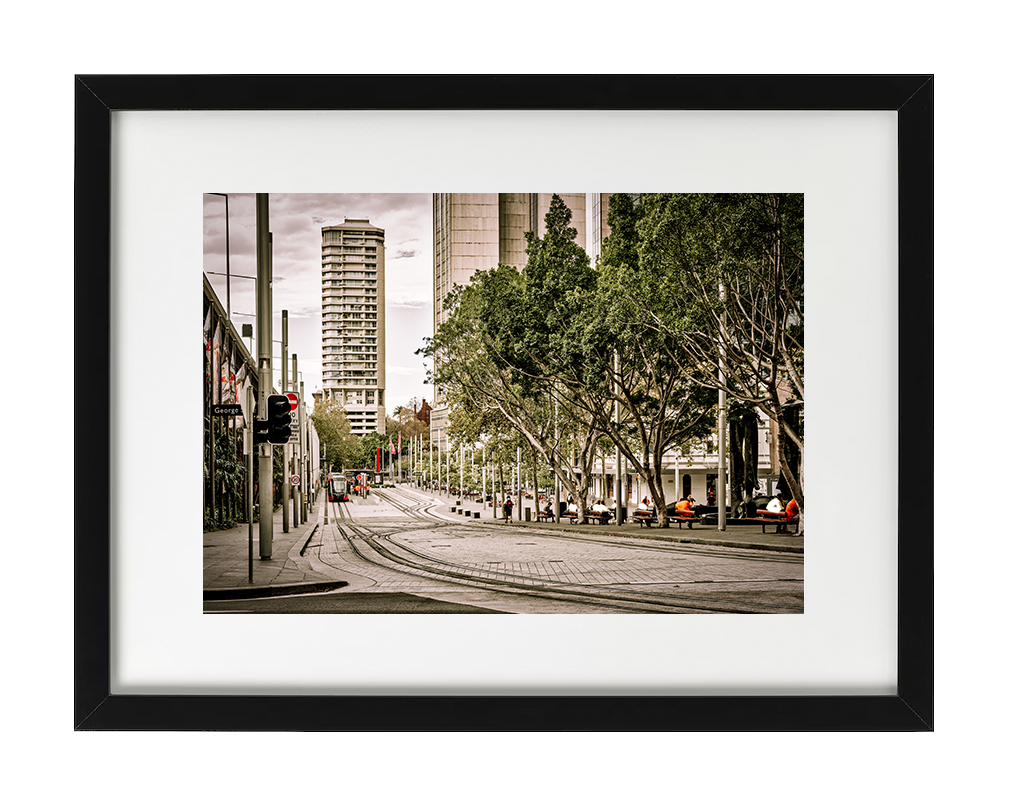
(735, 467)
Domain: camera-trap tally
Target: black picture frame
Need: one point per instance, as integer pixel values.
(910, 709)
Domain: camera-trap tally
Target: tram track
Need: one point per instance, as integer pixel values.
(377, 546)
(652, 543)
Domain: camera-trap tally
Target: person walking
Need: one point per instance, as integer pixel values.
(507, 510)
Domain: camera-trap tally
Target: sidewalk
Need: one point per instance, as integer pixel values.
(741, 536)
(226, 560)
(226, 553)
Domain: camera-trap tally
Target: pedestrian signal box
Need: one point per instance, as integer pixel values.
(278, 415)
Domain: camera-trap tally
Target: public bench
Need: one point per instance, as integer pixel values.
(597, 517)
(644, 517)
(543, 516)
(779, 520)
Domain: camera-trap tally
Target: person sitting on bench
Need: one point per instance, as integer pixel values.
(645, 509)
(599, 510)
(791, 511)
(684, 505)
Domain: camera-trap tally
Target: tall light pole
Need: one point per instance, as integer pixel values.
(721, 416)
(264, 343)
(286, 483)
(618, 468)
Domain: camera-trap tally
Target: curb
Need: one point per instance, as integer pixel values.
(224, 594)
(703, 541)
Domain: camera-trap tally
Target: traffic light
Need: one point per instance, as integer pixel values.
(260, 428)
(278, 416)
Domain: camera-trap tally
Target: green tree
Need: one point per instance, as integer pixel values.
(371, 443)
(507, 334)
(727, 283)
(660, 406)
(342, 448)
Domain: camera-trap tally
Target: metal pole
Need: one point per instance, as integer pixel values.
(619, 484)
(302, 455)
(250, 406)
(227, 251)
(721, 419)
(294, 448)
(286, 484)
(557, 454)
(518, 478)
(264, 339)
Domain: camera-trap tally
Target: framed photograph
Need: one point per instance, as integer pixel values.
(858, 150)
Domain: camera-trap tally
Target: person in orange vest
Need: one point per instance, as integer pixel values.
(684, 504)
(791, 510)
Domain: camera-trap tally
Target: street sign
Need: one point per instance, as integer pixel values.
(226, 410)
(295, 413)
(295, 481)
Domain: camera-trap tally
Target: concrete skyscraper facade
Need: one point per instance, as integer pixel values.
(353, 322)
(478, 231)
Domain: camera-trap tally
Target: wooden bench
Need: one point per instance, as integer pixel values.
(644, 517)
(684, 517)
(544, 517)
(598, 517)
(780, 521)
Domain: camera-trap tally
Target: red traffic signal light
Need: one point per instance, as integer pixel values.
(278, 416)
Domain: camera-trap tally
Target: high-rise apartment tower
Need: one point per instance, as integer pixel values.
(353, 322)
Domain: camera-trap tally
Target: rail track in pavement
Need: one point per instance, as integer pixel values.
(377, 545)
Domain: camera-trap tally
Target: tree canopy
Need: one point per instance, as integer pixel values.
(693, 293)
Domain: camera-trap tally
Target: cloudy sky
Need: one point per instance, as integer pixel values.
(296, 221)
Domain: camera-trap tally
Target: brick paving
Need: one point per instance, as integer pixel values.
(548, 552)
